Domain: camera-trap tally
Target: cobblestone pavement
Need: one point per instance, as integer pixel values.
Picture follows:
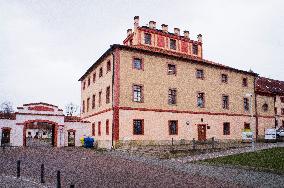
(229, 174)
(87, 168)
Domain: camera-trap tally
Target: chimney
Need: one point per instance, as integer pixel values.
(199, 38)
(136, 22)
(152, 25)
(186, 34)
(129, 32)
(177, 31)
(164, 28)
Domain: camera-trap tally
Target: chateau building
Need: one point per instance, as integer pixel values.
(157, 87)
(153, 89)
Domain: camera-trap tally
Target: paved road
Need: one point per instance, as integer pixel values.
(87, 168)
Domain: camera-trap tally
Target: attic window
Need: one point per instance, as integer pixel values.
(195, 49)
(173, 44)
(147, 38)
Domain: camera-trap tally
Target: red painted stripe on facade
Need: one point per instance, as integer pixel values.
(97, 113)
(181, 111)
(116, 95)
(17, 113)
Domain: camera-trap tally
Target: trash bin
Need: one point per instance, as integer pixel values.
(88, 142)
(82, 140)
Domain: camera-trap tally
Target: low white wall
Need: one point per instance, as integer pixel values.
(82, 129)
(16, 135)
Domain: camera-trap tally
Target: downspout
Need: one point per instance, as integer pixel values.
(112, 125)
(256, 113)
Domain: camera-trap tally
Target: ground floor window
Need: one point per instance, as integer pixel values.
(93, 129)
(226, 128)
(173, 127)
(5, 137)
(246, 126)
(138, 126)
(99, 129)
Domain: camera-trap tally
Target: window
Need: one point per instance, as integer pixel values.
(199, 74)
(93, 129)
(108, 66)
(88, 104)
(101, 72)
(147, 38)
(246, 104)
(226, 128)
(173, 127)
(100, 98)
(94, 77)
(137, 63)
(282, 111)
(84, 85)
(107, 127)
(89, 81)
(200, 100)
(99, 129)
(137, 93)
(94, 102)
(195, 49)
(171, 69)
(138, 126)
(282, 99)
(245, 82)
(83, 110)
(225, 100)
(107, 94)
(246, 126)
(224, 78)
(265, 107)
(173, 44)
(172, 96)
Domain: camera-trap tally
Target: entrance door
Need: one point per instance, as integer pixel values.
(5, 137)
(71, 138)
(202, 132)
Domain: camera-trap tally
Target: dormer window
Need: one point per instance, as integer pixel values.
(195, 49)
(173, 44)
(147, 38)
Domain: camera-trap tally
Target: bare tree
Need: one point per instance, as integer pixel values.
(6, 109)
(71, 109)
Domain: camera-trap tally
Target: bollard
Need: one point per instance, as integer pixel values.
(193, 144)
(58, 179)
(172, 141)
(212, 142)
(18, 168)
(72, 186)
(42, 174)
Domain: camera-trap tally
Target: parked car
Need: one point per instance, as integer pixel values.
(280, 132)
(270, 135)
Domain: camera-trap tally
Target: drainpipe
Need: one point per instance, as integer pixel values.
(112, 125)
(256, 113)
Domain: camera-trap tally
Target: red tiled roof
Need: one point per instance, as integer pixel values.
(11, 116)
(74, 119)
(270, 86)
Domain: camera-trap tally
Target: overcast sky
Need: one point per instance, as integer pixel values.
(45, 46)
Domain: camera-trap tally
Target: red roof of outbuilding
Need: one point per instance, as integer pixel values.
(269, 86)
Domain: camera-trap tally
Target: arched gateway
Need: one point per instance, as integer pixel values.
(42, 124)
